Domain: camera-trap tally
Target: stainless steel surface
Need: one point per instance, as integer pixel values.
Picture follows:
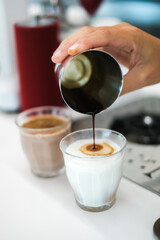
(89, 82)
(142, 162)
(156, 229)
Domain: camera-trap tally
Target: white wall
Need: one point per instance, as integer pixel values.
(11, 11)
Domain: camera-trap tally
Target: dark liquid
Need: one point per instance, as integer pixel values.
(93, 126)
(97, 147)
(97, 94)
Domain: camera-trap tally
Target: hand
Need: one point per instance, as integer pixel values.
(133, 48)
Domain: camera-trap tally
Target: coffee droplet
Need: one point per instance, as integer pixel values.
(102, 149)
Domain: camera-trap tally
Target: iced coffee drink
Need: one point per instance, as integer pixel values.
(94, 174)
(41, 130)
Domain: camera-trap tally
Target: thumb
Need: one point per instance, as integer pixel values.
(133, 80)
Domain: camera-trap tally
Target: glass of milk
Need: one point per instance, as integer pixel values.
(94, 179)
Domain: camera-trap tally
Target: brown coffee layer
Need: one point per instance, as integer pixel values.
(93, 148)
(41, 146)
(43, 121)
(102, 149)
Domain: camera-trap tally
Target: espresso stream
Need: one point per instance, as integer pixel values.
(93, 126)
(93, 149)
(84, 83)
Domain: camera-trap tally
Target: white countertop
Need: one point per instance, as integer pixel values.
(32, 208)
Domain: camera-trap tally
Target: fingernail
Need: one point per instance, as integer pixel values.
(56, 54)
(74, 46)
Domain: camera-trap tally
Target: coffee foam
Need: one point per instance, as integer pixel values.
(78, 148)
(44, 121)
(44, 125)
(101, 149)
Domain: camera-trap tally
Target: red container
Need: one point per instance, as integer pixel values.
(35, 43)
(90, 6)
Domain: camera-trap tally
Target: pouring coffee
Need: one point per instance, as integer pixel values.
(90, 82)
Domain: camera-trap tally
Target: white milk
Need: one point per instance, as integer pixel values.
(93, 179)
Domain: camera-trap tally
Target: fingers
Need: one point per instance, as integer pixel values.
(133, 80)
(86, 38)
(62, 51)
(126, 43)
(116, 37)
(119, 54)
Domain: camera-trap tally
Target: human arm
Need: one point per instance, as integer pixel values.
(132, 47)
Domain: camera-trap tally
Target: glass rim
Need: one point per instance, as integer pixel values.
(94, 157)
(23, 113)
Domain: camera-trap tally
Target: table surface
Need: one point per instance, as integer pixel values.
(33, 208)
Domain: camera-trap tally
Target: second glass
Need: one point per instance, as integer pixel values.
(40, 140)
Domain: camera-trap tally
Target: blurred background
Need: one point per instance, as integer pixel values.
(18, 87)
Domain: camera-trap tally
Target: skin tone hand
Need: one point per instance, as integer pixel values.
(133, 48)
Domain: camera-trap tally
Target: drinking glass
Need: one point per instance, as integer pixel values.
(94, 179)
(41, 145)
